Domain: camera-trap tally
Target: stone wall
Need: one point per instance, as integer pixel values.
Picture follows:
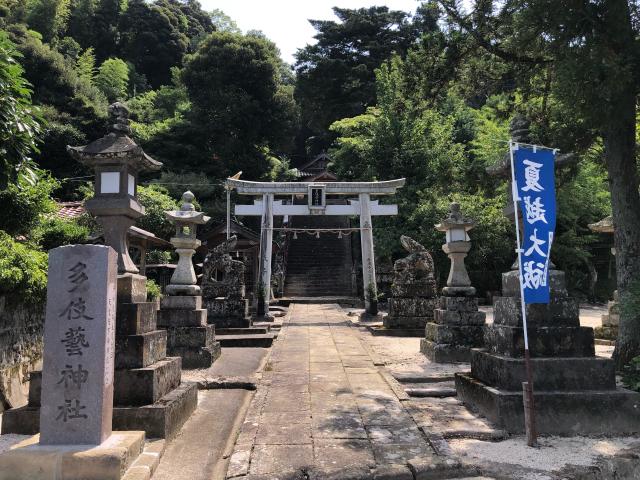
(21, 330)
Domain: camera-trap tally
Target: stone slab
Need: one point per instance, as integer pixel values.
(142, 386)
(406, 322)
(561, 374)
(23, 420)
(543, 341)
(445, 352)
(181, 302)
(29, 460)
(454, 317)
(595, 412)
(458, 304)
(132, 288)
(79, 331)
(139, 351)
(136, 318)
(559, 312)
(465, 335)
(191, 336)
(411, 307)
(196, 357)
(182, 318)
(224, 308)
(162, 419)
(414, 290)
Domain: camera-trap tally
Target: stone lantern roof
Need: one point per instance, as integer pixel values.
(116, 147)
(603, 226)
(187, 212)
(455, 219)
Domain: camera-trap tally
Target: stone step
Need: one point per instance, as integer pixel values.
(423, 378)
(432, 389)
(256, 340)
(243, 331)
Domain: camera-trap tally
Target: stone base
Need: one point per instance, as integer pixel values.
(411, 307)
(227, 313)
(175, 290)
(583, 412)
(406, 322)
(132, 288)
(543, 341)
(445, 352)
(162, 419)
(196, 357)
(109, 461)
(143, 386)
(606, 332)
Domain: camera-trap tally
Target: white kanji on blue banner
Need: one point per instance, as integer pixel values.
(535, 187)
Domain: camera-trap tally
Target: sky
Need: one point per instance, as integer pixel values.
(285, 21)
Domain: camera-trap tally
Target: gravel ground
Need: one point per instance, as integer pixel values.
(553, 454)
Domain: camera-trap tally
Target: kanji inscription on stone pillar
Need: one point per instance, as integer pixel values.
(79, 336)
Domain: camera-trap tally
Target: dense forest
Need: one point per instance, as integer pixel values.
(427, 95)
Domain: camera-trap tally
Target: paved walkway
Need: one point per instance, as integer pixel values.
(322, 403)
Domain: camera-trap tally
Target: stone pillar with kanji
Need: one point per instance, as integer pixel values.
(457, 325)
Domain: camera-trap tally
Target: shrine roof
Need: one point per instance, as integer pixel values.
(244, 187)
(603, 226)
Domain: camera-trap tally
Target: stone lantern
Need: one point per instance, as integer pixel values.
(117, 161)
(186, 220)
(457, 325)
(457, 245)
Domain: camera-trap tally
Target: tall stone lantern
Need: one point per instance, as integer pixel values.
(117, 161)
(457, 325)
(186, 220)
(457, 245)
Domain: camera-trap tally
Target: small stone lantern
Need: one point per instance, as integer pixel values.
(117, 160)
(186, 220)
(456, 247)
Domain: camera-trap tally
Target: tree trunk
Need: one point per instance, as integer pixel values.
(619, 142)
(619, 136)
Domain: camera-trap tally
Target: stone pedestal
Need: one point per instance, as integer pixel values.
(457, 327)
(188, 334)
(228, 312)
(413, 290)
(148, 392)
(610, 321)
(575, 391)
(30, 460)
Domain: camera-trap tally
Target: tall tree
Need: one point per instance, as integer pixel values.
(335, 76)
(19, 126)
(591, 49)
(239, 101)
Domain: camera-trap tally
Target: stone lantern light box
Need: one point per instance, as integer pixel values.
(116, 160)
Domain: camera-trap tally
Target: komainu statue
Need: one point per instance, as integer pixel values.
(222, 276)
(413, 292)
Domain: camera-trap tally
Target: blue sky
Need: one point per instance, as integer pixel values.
(285, 21)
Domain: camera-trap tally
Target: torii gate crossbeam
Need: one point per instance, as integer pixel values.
(316, 194)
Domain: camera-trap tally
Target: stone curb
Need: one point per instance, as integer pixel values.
(216, 383)
(395, 386)
(145, 465)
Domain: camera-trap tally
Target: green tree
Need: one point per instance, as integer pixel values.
(239, 102)
(113, 79)
(86, 65)
(590, 51)
(335, 76)
(223, 22)
(19, 120)
(49, 18)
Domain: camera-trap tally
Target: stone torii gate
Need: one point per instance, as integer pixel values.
(316, 194)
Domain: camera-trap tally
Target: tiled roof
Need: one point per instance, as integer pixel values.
(69, 210)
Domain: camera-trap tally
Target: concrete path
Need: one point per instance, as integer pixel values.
(323, 405)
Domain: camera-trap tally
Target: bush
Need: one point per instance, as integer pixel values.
(55, 232)
(24, 203)
(23, 269)
(153, 290)
(631, 375)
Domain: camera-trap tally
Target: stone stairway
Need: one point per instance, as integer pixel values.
(319, 267)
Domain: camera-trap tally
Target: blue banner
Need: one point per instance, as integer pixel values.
(535, 187)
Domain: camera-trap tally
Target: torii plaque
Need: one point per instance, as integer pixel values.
(316, 194)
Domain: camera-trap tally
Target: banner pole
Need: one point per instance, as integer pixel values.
(529, 406)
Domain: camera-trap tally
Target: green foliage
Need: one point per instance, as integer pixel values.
(19, 121)
(54, 232)
(631, 375)
(49, 17)
(113, 79)
(153, 290)
(238, 101)
(23, 269)
(156, 201)
(86, 65)
(158, 257)
(223, 22)
(24, 203)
